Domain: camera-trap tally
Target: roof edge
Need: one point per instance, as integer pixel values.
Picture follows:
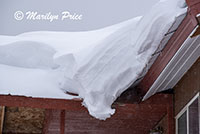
(180, 63)
(173, 45)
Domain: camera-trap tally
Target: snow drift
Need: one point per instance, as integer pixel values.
(97, 65)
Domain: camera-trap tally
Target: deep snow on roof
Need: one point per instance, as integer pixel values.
(97, 65)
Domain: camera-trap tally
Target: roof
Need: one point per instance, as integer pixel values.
(177, 37)
(180, 52)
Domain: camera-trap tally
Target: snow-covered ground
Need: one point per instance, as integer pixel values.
(97, 65)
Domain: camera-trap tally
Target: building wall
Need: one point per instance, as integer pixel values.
(184, 91)
(187, 87)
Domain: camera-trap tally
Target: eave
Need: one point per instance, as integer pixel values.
(149, 84)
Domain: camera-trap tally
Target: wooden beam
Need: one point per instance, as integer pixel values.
(62, 122)
(192, 2)
(46, 103)
(170, 117)
(22, 101)
(2, 113)
(193, 6)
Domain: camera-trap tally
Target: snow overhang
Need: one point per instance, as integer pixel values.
(161, 46)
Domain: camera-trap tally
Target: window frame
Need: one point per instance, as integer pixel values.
(186, 109)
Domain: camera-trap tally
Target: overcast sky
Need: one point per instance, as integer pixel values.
(95, 14)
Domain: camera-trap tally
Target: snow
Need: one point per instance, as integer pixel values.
(97, 65)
